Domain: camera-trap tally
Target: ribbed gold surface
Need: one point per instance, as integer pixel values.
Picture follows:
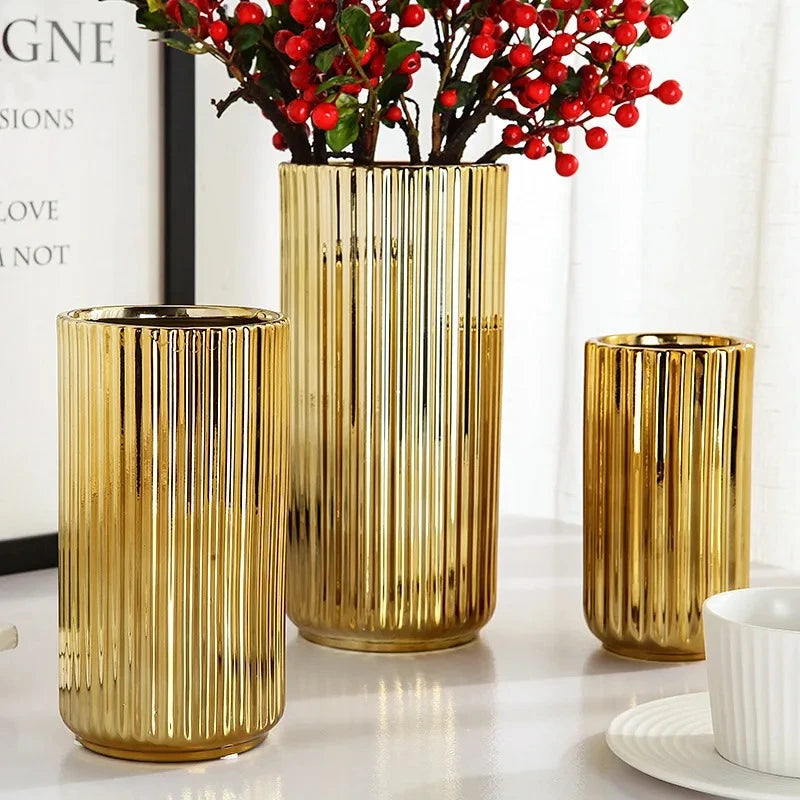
(666, 487)
(172, 528)
(393, 278)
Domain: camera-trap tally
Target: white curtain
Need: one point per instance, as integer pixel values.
(690, 221)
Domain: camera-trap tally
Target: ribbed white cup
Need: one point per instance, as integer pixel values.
(752, 639)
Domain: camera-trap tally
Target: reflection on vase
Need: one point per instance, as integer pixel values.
(393, 278)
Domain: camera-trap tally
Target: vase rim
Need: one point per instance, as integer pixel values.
(396, 165)
(670, 341)
(174, 316)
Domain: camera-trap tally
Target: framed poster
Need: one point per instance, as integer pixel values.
(96, 208)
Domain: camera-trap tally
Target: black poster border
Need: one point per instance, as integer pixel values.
(178, 87)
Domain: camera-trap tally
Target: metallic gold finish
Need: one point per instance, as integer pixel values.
(667, 428)
(173, 480)
(393, 278)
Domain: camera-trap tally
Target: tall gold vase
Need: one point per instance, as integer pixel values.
(172, 528)
(666, 487)
(393, 279)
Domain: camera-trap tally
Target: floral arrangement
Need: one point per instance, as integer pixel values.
(331, 74)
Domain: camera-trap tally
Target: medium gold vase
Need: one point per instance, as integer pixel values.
(667, 433)
(172, 528)
(393, 278)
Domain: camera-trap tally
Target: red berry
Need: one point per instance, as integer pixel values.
(659, 26)
(297, 48)
(538, 91)
(380, 22)
(377, 63)
(549, 18)
(627, 115)
(566, 5)
(507, 104)
(412, 16)
(571, 109)
(601, 51)
(218, 31)
(636, 10)
(535, 148)
(487, 27)
(298, 111)
(559, 135)
(602, 5)
(566, 164)
(393, 114)
(625, 33)
(520, 55)
(280, 39)
(524, 16)
(325, 116)
(250, 14)
(588, 21)
(555, 72)
(669, 92)
(563, 44)
(501, 75)
(600, 105)
(512, 135)
(300, 77)
(448, 98)
(304, 11)
(482, 46)
(639, 77)
(410, 64)
(596, 138)
(507, 10)
(278, 142)
(618, 72)
(310, 94)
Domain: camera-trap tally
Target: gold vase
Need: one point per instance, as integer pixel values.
(393, 278)
(667, 427)
(173, 481)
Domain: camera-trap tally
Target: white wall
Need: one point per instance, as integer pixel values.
(690, 221)
(96, 185)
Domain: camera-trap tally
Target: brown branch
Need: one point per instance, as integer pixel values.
(491, 155)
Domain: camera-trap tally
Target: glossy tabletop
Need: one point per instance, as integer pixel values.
(520, 713)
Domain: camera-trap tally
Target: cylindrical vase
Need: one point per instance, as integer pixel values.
(172, 528)
(393, 279)
(667, 428)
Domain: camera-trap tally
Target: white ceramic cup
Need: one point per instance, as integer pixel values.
(752, 641)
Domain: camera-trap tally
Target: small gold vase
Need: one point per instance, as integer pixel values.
(393, 277)
(173, 482)
(667, 428)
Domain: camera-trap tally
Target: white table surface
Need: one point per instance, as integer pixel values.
(518, 714)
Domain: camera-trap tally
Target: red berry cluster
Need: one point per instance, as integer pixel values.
(329, 73)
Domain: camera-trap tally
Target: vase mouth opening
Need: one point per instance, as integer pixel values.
(168, 316)
(669, 341)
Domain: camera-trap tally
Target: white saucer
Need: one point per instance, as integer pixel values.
(672, 740)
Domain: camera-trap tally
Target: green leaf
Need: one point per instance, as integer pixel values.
(392, 88)
(155, 5)
(246, 37)
(191, 48)
(397, 53)
(354, 23)
(672, 8)
(189, 14)
(346, 103)
(643, 39)
(395, 6)
(336, 80)
(325, 58)
(345, 132)
(154, 20)
(571, 85)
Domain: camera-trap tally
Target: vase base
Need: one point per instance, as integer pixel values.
(175, 755)
(399, 646)
(667, 656)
